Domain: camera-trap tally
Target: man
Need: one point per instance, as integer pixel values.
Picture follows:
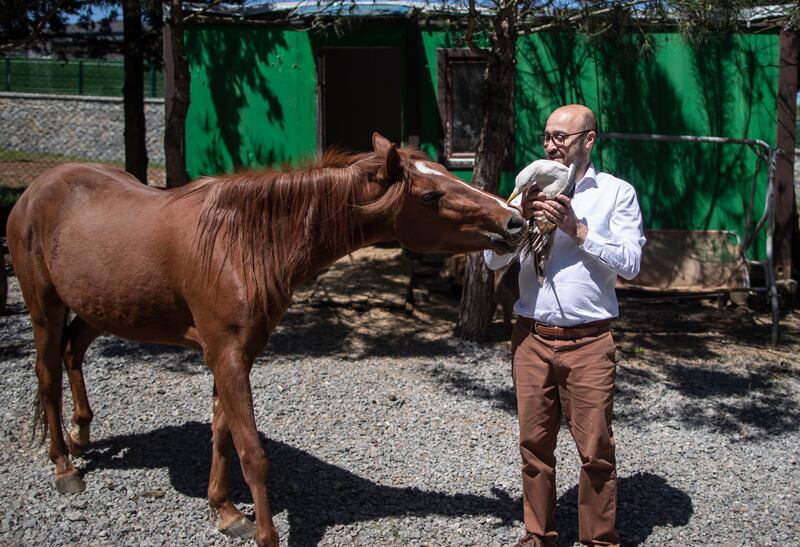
(563, 354)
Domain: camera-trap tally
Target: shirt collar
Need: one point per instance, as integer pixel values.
(591, 174)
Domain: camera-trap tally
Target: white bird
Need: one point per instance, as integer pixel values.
(552, 178)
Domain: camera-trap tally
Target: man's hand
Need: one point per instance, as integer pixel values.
(559, 211)
(529, 197)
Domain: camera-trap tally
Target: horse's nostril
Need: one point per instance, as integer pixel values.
(515, 224)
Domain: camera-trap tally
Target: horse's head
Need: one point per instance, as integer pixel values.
(441, 213)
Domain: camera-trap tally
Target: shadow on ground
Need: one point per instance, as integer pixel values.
(644, 501)
(120, 353)
(327, 331)
(316, 494)
(751, 403)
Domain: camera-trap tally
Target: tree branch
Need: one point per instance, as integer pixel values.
(36, 30)
(578, 17)
(469, 35)
(194, 15)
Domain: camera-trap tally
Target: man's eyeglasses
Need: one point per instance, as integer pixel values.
(559, 138)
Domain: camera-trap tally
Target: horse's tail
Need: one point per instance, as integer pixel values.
(39, 414)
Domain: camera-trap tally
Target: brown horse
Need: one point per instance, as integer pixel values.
(212, 266)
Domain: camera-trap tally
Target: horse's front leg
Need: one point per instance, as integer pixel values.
(231, 521)
(231, 370)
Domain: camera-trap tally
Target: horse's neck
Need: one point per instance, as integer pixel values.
(366, 230)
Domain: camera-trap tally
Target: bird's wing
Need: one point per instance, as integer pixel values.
(569, 190)
(552, 177)
(541, 174)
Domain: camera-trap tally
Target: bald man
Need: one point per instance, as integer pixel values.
(563, 353)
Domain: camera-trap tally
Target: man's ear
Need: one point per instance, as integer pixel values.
(392, 169)
(380, 143)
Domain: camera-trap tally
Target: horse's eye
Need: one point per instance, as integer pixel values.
(430, 197)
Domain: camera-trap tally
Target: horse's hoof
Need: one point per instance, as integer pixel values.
(70, 484)
(240, 529)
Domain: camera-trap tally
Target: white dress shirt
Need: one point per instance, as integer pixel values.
(579, 281)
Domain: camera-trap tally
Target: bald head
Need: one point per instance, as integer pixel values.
(576, 115)
(578, 127)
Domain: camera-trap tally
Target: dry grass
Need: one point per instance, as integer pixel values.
(19, 173)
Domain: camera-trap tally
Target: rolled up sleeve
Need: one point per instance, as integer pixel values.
(622, 251)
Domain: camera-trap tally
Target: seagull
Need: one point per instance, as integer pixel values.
(552, 178)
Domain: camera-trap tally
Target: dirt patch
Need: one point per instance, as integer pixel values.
(368, 289)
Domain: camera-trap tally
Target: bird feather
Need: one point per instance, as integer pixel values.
(551, 178)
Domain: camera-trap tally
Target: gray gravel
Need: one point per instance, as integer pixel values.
(383, 430)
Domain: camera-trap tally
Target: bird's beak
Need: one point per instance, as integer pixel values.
(514, 194)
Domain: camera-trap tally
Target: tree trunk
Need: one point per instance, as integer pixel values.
(133, 90)
(176, 70)
(477, 306)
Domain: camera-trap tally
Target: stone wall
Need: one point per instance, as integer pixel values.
(75, 127)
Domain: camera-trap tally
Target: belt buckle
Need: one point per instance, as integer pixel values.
(546, 330)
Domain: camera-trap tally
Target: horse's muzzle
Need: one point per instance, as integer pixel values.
(515, 225)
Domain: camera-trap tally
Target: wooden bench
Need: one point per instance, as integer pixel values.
(690, 261)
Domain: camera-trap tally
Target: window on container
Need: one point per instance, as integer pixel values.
(465, 106)
(460, 96)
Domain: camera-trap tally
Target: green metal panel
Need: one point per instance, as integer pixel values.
(727, 88)
(253, 92)
(253, 100)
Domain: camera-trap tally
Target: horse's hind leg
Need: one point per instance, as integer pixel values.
(48, 314)
(48, 324)
(77, 338)
(231, 521)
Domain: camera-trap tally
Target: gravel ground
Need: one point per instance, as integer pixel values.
(383, 430)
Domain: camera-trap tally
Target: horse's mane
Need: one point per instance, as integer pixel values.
(276, 218)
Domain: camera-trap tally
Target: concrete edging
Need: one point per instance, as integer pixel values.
(86, 98)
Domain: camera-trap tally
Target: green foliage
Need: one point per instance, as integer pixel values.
(9, 196)
(76, 28)
(19, 19)
(33, 24)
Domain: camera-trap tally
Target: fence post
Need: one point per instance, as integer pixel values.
(80, 77)
(8, 74)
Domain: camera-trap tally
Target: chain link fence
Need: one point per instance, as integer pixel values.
(76, 77)
(53, 111)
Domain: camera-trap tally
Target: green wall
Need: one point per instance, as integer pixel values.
(253, 100)
(727, 88)
(253, 92)
(253, 104)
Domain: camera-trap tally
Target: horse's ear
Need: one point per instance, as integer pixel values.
(392, 168)
(380, 143)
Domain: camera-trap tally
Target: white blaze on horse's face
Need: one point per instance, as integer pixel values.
(452, 214)
(423, 168)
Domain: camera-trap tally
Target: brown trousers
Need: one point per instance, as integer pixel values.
(574, 377)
